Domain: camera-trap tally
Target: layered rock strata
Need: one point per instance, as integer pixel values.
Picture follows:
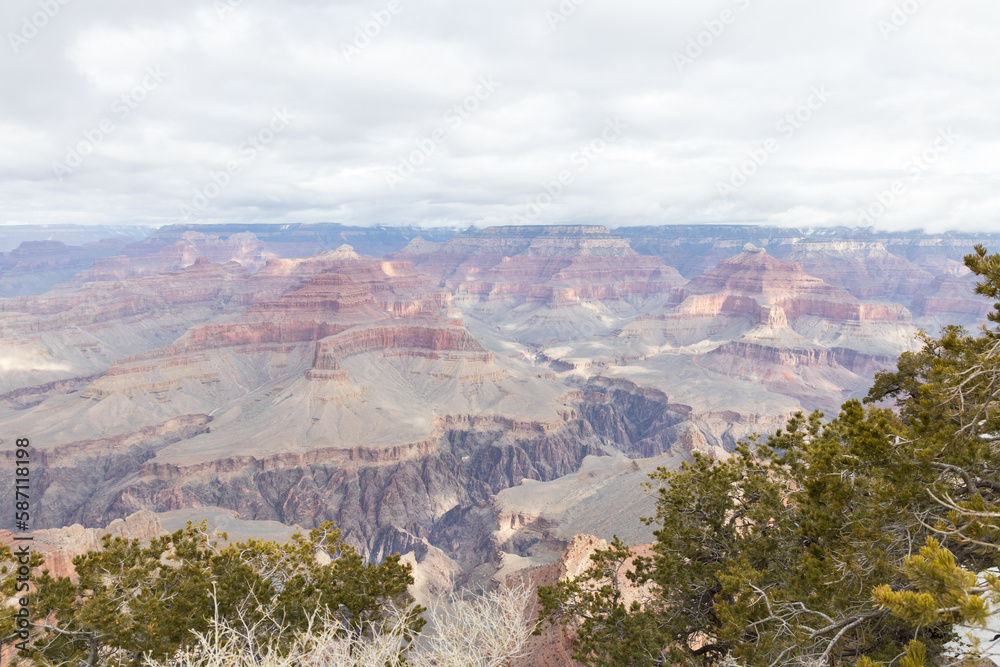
(243, 248)
(59, 546)
(753, 329)
(34, 267)
(543, 284)
(475, 410)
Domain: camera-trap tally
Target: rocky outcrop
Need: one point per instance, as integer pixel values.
(764, 280)
(560, 264)
(644, 422)
(338, 305)
(754, 292)
(80, 330)
(422, 340)
(74, 483)
(763, 320)
(553, 646)
(243, 248)
(434, 493)
(544, 283)
(949, 299)
(865, 269)
(821, 378)
(59, 546)
(756, 333)
(385, 500)
(34, 267)
(898, 267)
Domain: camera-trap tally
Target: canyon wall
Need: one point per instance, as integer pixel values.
(474, 399)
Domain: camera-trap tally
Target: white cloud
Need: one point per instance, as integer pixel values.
(229, 70)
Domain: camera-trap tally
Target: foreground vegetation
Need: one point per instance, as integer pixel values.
(865, 540)
(134, 602)
(483, 630)
(183, 601)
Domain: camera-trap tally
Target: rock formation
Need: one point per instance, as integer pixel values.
(243, 248)
(34, 267)
(60, 546)
(76, 331)
(553, 647)
(899, 267)
(543, 284)
(763, 321)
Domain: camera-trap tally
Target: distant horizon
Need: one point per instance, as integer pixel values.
(464, 227)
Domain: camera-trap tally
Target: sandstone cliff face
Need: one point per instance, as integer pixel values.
(538, 261)
(554, 646)
(764, 321)
(386, 500)
(865, 269)
(77, 331)
(244, 249)
(897, 267)
(35, 266)
(948, 299)
(339, 305)
(545, 283)
(384, 504)
(755, 291)
(765, 280)
(60, 546)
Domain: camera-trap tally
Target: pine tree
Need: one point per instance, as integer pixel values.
(135, 601)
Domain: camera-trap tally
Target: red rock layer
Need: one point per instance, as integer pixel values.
(866, 270)
(396, 337)
(352, 291)
(101, 302)
(242, 248)
(851, 360)
(553, 647)
(557, 264)
(753, 276)
(60, 546)
(346, 303)
(951, 297)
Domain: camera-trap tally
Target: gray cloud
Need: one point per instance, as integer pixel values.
(897, 72)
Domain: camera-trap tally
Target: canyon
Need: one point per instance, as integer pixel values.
(473, 399)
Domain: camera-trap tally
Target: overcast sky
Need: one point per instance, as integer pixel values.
(435, 112)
